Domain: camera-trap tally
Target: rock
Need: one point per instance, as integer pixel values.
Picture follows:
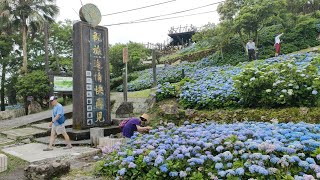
(47, 170)
(26, 141)
(197, 119)
(190, 113)
(34, 107)
(151, 101)
(304, 110)
(125, 110)
(263, 118)
(170, 109)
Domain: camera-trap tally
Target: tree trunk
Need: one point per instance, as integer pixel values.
(221, 52)
(3, 77)
(55, 57)
(46, 46)
(256, 38)
(26, 105)
(24, 47)
(242, 41)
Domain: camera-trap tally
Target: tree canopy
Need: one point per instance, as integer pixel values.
(262, 20)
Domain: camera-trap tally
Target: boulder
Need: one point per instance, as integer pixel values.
(34, 107)
(169, 109)
(47, 170)
(304, 110)
(125, 110)
(190, 113)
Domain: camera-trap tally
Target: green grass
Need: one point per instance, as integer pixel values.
(141, 94)
(13, 164)
(307, 50)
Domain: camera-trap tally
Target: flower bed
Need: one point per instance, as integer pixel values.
(219, 151)
(214, 86)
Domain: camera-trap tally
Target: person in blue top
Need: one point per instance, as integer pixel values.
(57, 124)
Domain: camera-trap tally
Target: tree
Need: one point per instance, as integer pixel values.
(59, 48)
(28, 15)
(34, 84)
(250, 16)
(136, 52)
(6, 44)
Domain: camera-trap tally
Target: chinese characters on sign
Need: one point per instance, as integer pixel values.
(95, 81)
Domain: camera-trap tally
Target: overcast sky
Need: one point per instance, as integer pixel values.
(154, 32)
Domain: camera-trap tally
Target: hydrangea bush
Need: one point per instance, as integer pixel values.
(219, 151)
(214, 86)
(165, 90)
(279, 84)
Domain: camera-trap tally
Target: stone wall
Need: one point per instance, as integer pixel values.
(12, 113)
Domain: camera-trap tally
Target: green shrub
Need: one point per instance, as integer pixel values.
(278, 85)
(165, 91)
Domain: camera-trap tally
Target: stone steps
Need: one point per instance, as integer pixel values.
(34, 152)
(45, 125)
(61, 142)
(40, 132)
(4, 141)
(24, 133)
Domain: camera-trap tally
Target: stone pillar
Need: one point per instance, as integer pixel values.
(3, 162)
(95, 134)
(91, 77)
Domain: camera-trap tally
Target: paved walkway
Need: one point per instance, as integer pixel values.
(32, 118)
(34, 152)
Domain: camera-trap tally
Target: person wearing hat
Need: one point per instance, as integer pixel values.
(57, 124)
(134, 124)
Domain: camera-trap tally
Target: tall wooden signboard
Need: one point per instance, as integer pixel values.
(91, 76)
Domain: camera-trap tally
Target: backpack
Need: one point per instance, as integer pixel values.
(123, 123)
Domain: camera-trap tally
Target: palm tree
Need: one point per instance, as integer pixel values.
(28, 16)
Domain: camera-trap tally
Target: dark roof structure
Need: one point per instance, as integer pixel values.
(181, 35)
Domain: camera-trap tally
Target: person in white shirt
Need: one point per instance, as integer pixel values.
(277, 44)
(251, 49)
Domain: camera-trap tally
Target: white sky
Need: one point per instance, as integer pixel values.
(154, 32)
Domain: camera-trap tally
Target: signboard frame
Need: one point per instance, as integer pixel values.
(62, 80)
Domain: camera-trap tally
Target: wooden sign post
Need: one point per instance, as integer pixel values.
(125, 56)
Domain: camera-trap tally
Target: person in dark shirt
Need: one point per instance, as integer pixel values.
(134, 124)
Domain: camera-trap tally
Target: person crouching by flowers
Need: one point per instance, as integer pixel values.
(128, 127)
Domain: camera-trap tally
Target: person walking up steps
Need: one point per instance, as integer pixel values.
(57, 124)
(277, 44)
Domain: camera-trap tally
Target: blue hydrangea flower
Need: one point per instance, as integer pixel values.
(122, 171)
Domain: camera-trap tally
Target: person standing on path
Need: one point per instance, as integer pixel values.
(134, 124)
(251, 50)
(57, 124)
(277, 44)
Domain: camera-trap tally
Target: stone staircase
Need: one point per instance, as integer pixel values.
(33, 131)
(40, 132)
